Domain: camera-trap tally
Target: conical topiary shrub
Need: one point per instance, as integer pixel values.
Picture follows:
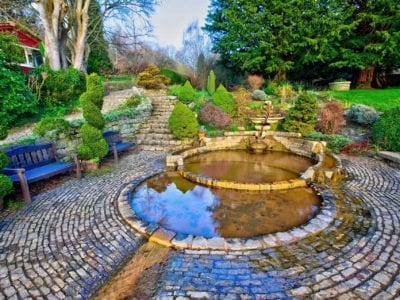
(186, 93)
(183, 122)
(211, 83)
(303, 116)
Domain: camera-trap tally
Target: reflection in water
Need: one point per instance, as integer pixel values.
(188, 208)
(242, 166)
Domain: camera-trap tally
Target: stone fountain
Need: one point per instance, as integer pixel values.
(262, 124)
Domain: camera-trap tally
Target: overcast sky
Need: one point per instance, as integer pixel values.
(172, 17)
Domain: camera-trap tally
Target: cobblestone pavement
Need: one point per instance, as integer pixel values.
(357, 258)
(69, 241)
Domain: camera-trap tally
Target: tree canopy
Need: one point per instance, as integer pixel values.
(274, 37)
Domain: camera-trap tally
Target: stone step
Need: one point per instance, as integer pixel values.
(159, 142)
(154, 136)
(155, 130)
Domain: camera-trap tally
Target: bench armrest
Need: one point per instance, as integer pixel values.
(9, 171)
(78, 165)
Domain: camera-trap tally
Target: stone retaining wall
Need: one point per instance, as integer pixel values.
(128, 124)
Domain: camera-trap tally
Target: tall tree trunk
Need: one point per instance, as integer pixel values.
(365, 77)
(52, 14)
(280, 75)
(81, 28)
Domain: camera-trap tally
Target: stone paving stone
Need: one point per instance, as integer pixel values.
(70, 239)
(357, 257)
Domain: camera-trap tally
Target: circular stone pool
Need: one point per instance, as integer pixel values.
(242, 166)
(179, 205)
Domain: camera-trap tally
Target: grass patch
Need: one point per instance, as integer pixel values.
(381, 100)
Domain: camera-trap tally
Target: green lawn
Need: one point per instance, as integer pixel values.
(381, 100)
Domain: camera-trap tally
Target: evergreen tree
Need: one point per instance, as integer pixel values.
(98, 60)
(374, 43)
(211, 83)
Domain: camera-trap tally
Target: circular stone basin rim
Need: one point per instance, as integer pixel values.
(168, 238)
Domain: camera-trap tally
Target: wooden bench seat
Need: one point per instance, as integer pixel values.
(115, 143)
(31, 163)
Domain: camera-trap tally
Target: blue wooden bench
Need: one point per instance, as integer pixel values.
(115, 143)
(31, 163)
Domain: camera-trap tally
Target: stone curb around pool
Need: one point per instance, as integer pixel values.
(168, 238)
(215, 183)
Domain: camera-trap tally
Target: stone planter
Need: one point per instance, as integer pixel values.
(340, 86)
(88, 165)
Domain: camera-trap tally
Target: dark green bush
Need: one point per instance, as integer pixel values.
(61, 87)
(6, 185)
(303, 116)
(151, 78)
(224, 100)
(186, 93)
(386, 130)
(183, 122)
(3, 160)
(174, 77)
(3, 132)
(94, 146)
(16, 101)
(46, 124)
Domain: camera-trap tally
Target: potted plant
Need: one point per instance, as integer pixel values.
(93, 147)
(202, 132)
(340, 84)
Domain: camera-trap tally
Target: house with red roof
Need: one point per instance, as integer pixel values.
(29, 42)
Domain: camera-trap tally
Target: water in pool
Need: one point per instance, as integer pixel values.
(184, 207)
(242, 166)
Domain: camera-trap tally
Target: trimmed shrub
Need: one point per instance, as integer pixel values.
(211, 83)
(316, 136)
(150, 78)
(302, 117)
(174, 77)
(255, 82)
(46, 124)
(363, 114)
(214, 116)
(259, 95)
(357, 148)
(95, 86)
(91, 112)
(224, 100)
(186, 93)
(386, 130)
(336, 142)
(285, 91)
(330, 118)
(183, 122)
(94, 146)
(271, 88)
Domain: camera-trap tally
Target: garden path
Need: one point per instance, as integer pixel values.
(111, 101)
